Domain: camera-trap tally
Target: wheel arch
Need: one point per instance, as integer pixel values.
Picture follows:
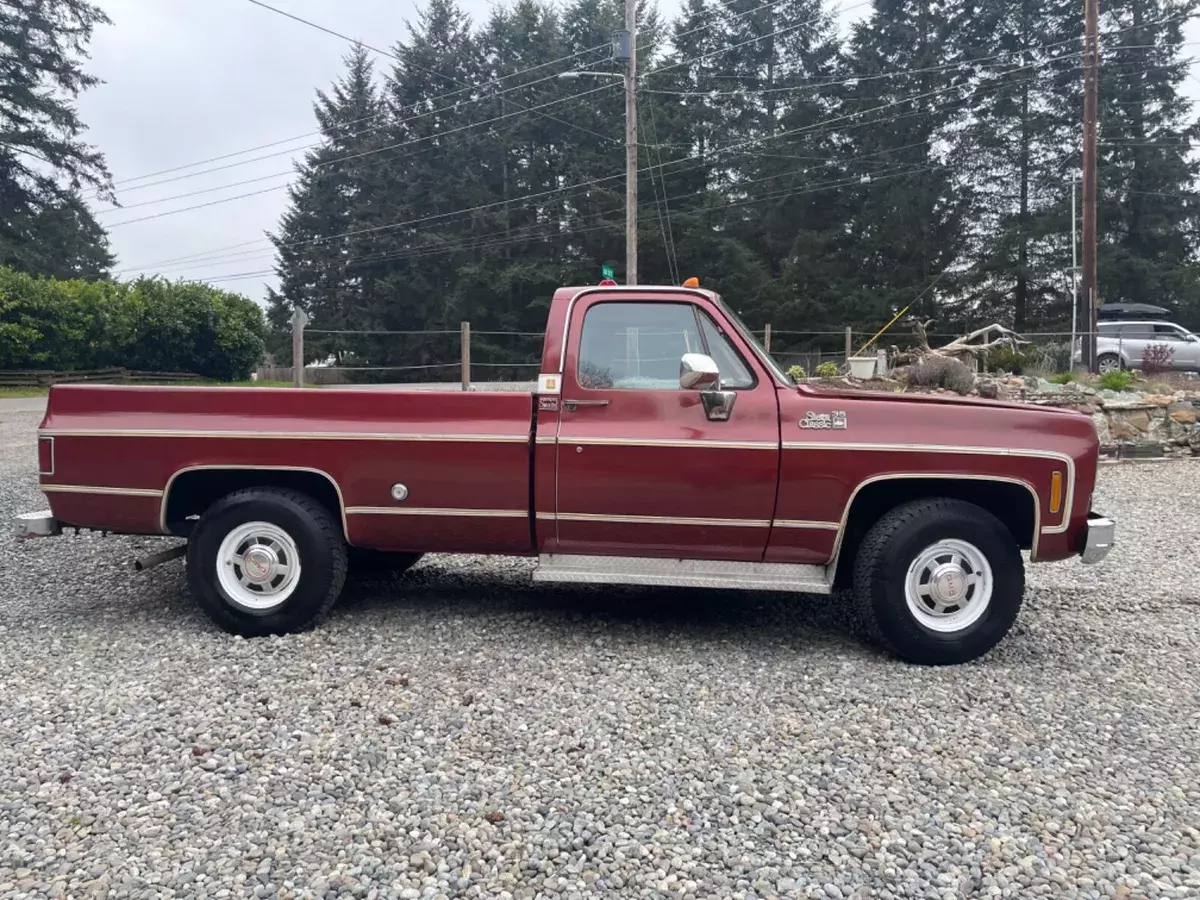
(1014, 501)
(193, 489)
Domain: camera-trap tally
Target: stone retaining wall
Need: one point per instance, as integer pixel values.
(1128, 423)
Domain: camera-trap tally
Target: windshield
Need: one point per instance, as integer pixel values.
(759, 351)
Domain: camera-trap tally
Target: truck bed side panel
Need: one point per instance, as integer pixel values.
(464, 457)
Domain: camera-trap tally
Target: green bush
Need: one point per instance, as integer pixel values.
(797, 373)
(1049, 358)
(827, 370)
(149, 325)
(1062, 378)
(1116, 380)
(1007, 360)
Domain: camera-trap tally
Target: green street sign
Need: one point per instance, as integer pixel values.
(606, 272)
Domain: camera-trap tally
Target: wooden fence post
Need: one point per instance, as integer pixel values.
(466, 356)
(299, 320)
(767, 338)
(849, 344)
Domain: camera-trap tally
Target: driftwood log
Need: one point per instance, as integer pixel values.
(979, 341)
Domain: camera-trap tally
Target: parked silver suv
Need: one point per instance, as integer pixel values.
(1121, 345)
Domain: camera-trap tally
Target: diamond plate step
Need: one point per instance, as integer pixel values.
(744, 576)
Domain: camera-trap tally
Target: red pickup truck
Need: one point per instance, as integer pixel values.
(661, 446)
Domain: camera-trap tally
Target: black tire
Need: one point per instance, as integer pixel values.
(380, 562)
(318, 544)
(896, 542)
(1111, 358)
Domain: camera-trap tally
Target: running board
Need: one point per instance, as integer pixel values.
(697, 573)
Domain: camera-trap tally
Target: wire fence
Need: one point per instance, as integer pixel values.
(467, 357)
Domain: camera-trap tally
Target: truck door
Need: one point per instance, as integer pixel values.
(644, 468)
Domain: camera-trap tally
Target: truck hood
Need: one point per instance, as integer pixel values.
(936, 399)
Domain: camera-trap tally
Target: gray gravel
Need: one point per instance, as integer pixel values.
(465, 734)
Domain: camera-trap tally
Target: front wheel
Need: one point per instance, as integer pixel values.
(266, 561)
(939, 581)
(1109, 362)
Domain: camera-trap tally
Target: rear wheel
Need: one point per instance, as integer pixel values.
(266, 561)
(1109, 362)
(939, 581)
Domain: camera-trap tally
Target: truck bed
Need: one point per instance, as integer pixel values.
(121, 453)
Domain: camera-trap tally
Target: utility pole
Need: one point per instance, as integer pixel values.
(299, 320)
(1074, 276)
(1091, 79)
(624, 45)
(631, 154)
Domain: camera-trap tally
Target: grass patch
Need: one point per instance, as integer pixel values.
(1116, 380)
(8, 392)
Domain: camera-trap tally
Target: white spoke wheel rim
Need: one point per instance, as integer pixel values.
(949, 585)
(1109, 365)
(258, 566)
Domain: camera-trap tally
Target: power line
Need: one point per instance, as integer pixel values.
(207, 256)
(428, 137)
(809, 128)
(536, 230)
(211, 190)
(496, 80)
(411, 64)
(355, 122)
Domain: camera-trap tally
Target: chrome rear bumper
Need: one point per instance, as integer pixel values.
(35, 525)
(1101, 534)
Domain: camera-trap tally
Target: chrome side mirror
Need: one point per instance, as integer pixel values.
(698, 372)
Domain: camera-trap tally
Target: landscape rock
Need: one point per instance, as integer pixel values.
(1184, 416)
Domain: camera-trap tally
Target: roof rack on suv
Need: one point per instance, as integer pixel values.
(1112, 312)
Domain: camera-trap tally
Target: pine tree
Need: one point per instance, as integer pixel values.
(429, 166)
(904, 210)
(514, 260)
(1149, 207)
(45, 227)
(1022, 145)
(323, 264)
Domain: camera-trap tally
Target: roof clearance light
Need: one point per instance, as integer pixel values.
(608, 282)
(692, 282)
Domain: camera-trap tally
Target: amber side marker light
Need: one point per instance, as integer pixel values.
(1056, 492)
(692, 282)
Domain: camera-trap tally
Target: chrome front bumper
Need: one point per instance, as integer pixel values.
(35, 525)
(1101, 534)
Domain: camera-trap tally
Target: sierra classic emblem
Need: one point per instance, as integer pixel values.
(835, 419)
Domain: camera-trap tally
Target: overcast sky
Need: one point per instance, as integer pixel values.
(188, 80)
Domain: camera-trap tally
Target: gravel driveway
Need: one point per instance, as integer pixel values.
(465, 734)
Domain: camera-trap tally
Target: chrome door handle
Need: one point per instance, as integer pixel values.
(572, 405)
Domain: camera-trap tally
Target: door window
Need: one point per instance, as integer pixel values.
(735, 375)
(1168, 333)
(1136, 332)
(638, 346)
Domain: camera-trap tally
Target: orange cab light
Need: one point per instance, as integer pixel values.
(1056, 492)
(692, 282)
